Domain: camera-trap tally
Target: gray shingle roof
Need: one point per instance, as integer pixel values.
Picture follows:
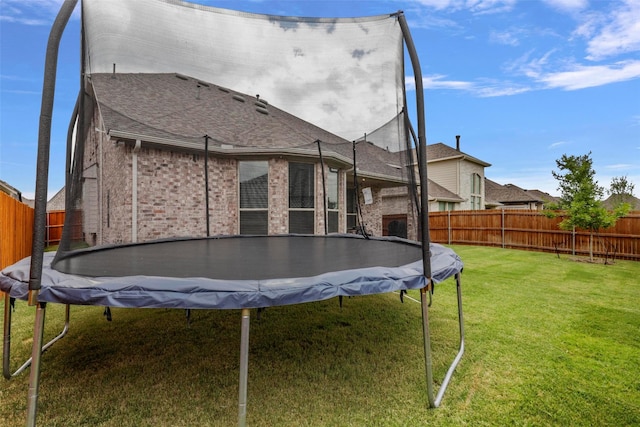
(546, 197)
(440, 151)
(177, 110)
(506, 194)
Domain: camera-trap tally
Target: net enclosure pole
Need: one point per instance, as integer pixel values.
(434, 402)
(42, 177)
(44, 145)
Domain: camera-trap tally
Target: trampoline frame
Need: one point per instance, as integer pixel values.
(36, 266)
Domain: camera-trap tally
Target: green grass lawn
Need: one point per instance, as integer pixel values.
(548, 342)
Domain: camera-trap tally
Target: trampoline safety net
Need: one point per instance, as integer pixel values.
(198, 121)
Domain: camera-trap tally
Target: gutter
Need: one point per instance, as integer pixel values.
(248, 152)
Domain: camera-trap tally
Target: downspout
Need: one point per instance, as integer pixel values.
(134, 191)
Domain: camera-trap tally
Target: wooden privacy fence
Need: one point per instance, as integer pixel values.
(55, 222)
(532, 230)
(16, 229)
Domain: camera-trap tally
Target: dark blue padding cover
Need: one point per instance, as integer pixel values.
(153, 291)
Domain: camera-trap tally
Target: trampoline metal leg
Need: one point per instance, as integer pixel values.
(244, 368)
(6, 348)
(34, 378)
(434, 402)
(6, 351)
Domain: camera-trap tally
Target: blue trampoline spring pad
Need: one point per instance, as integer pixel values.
(232, 272)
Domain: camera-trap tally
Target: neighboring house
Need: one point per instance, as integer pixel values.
(456, 179)
(144, 163)
(459, 173)
(510, 196)
(615, 200)
(11, 191)
(545, 197)
(56, 203)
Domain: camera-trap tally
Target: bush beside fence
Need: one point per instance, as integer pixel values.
(532, 230)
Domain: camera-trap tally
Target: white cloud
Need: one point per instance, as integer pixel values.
(437, 82)
(474, 6)
(32, 12)
(483, 88)
(508, 38)
(621, 34)
(490, 90)
(557, 144)
(568, 5)
(620, 166)
(581, 76)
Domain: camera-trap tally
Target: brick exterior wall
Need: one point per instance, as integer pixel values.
(278, 196)
(372, 214)
(171, 194)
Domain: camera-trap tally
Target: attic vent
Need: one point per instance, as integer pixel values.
(203, 84)
(260, 104)
(181, 77)
(223, 89)
(263, 101)
(262, 110)
(238, 98)
(226, 146)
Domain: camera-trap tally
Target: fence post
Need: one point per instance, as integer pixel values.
(449, 226)
(502, 227)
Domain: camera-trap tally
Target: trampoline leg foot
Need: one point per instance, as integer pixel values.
(244, 368)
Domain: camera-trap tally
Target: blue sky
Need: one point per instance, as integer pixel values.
(522, 82)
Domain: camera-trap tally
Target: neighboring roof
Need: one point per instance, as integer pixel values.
(436, 192)
(507, 194)
(176, 111)
(439, 152)
(11, 191)
(440, 194)
(57, 202)
(614, 200)
(545, 197)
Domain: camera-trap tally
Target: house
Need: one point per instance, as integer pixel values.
(456, 179)
(151, 135)
(510, 196)
(614, 200)
(56, 202)
(544, 196)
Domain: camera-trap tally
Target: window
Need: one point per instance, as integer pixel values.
(446, 206)
(254, 197)
(301, 198)
(476, 192)
(332, 200)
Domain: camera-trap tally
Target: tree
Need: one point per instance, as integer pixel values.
(621, 190)
(581, 197)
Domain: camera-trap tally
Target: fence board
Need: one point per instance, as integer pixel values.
(55, 222)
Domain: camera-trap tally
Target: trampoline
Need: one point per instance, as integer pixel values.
(232, 272)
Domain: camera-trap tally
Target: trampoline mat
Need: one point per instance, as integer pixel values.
(232, 272)
(242, 257)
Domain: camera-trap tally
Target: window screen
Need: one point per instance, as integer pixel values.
(301, 198)
(254, 197)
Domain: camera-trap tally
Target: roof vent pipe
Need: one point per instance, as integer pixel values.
(458, 142)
